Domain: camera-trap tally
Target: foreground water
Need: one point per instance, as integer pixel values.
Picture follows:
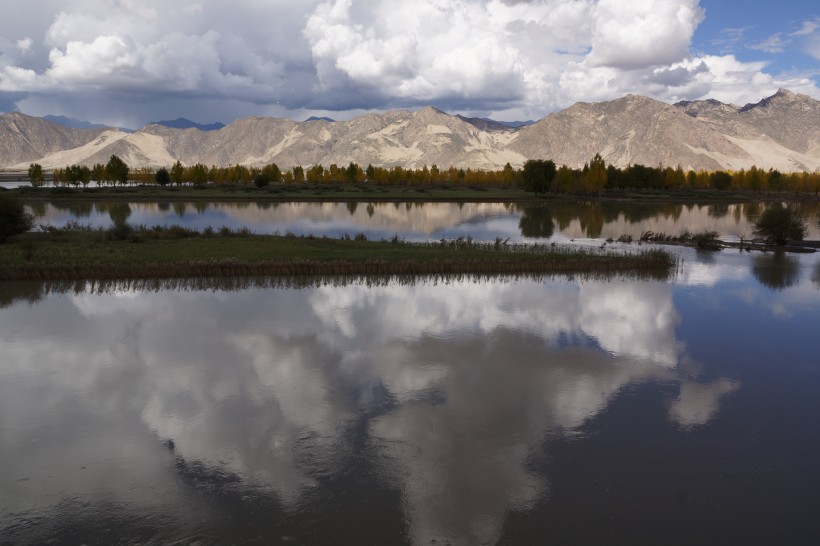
(508, 411)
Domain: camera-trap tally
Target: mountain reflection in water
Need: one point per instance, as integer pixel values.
(558, 220)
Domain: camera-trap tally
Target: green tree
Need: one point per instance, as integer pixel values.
(779, 224)
(117, 170)
(564, 180)
(13, 217)
(298, 174)
(78, 174)
(261, 180)
(162, 177)
(538, 175)
(177, 173)
(98, 173)
(273, 172)
(595, 176)
(351, 172)
(198, 174)
(35, 174)
(720, 180)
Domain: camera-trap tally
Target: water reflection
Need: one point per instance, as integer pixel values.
(776, 270)
(536, 222)
(119, 404)
(559, 220)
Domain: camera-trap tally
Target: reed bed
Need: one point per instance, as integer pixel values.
(705, 240)
(31, 291)
(152, 253)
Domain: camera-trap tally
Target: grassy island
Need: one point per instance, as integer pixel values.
(153, 253)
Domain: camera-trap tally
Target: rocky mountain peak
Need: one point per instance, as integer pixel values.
(781, 131)
(782, 97)
(697, 108)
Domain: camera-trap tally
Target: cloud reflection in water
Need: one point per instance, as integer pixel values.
(267, 385)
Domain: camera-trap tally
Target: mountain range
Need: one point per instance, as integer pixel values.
(781, 132)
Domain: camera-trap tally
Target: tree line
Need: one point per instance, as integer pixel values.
(537, 176)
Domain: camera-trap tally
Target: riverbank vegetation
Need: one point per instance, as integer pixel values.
(779, 225)
(78, 252)
(13, 217)
(536, 176)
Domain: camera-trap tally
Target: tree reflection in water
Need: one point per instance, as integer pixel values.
(776, 270)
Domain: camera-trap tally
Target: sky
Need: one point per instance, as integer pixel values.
(129, 62)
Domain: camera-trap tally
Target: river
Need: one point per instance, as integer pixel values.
(446, 411)
(416, 221)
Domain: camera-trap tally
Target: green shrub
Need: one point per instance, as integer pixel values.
(13, 217)
(261, 180)
(779, 224)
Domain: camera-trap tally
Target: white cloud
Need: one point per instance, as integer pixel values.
(146, 51)
(510, 59)
(643, 34)
(730, 80)
(421, 51)
(773, 44)
(807, 28)
(24, 44)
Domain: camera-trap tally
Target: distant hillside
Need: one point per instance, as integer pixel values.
(314, 118)
(79, 124)
(182, 123)
(780, 132)
(24, 139)
(511, 124)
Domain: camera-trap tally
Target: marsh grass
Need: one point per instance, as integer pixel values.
(706, 240)
(167, 252)
(32, 291)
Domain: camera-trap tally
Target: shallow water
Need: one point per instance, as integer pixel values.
(507, 411)
(559, 221)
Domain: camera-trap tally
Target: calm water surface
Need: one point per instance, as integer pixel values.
(508, 411)
(557, 221)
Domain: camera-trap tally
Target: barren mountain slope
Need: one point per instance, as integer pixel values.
(788, 118)
(25, 138)
(632, 129)
(427, 137)
(782, 132)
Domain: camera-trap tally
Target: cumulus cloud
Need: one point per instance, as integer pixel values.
(24, 44)
(641, 34)
(286, 57)
(146, 53)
